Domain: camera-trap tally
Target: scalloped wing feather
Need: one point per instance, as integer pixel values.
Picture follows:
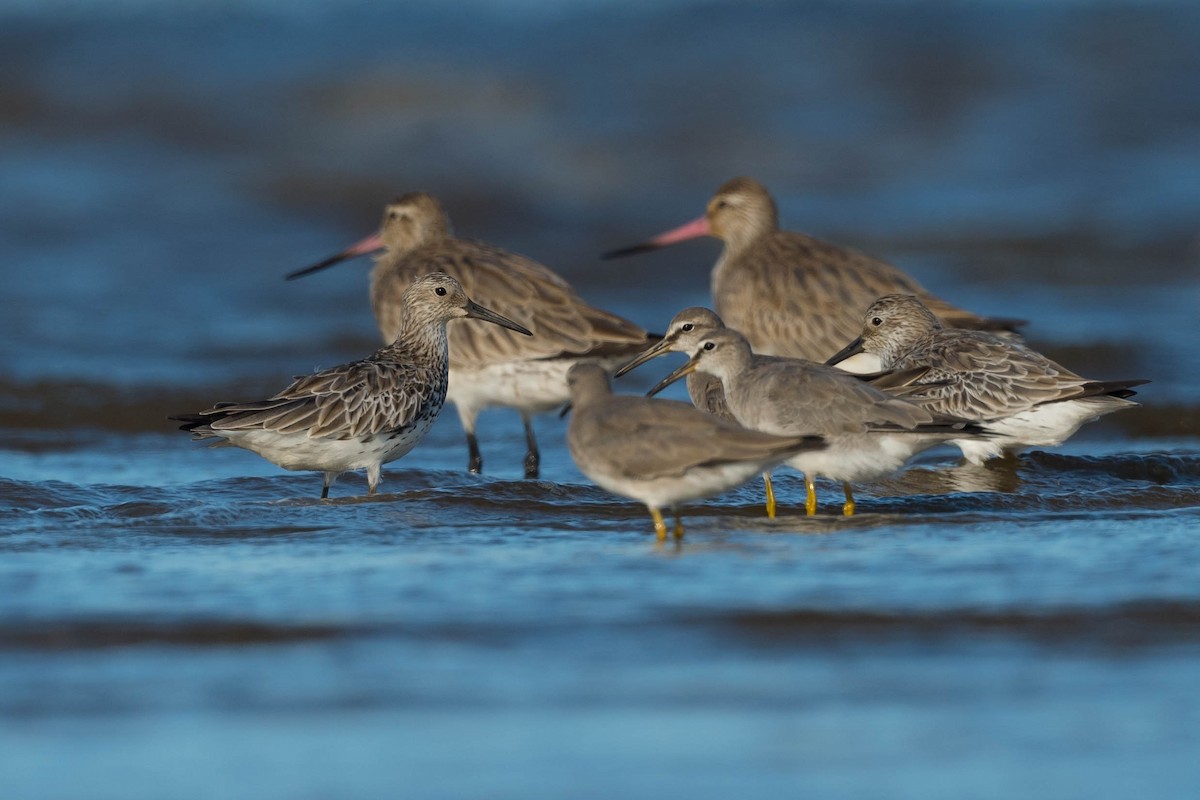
(514, 286)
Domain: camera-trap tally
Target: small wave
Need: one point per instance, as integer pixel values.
(1129, 625)
(92, 634)
(53, 405)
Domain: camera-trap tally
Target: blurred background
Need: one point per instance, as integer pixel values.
(164, 164)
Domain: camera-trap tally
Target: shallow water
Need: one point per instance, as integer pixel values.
(183, 621)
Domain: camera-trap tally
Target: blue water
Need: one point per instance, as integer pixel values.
(180, 621)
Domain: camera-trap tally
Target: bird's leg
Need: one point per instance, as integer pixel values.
(660, 527)
(770, 495)
(466, 418)
(848, 508)
(532, 458)
(678, 524)
(475, 461)
(330, 477)
(373, 475)
(810, 496)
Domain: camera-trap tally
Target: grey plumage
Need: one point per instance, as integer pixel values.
(869, 433)
(663, 452)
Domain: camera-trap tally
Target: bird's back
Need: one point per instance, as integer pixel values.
(976, 375)
(517, 287)
(797, 296)
(647, 439)
(785, 396)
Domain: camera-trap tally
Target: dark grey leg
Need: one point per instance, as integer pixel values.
(532, 457)
(475, 462)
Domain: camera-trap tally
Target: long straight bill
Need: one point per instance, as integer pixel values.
(370, 244)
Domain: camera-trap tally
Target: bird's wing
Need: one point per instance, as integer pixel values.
(646, 439)
(358, 399)
(805, 298)
(785, 396)
(516, 287)
(978, 376)
(708, 394)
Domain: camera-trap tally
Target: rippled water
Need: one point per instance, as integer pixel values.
(182, 621)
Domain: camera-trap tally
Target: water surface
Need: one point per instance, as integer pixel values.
(181, 621)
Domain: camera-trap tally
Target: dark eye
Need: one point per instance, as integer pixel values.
(722, 204)
(709, 345)
(441, 291)
(687, 326)
(876, 322)
(392, 215)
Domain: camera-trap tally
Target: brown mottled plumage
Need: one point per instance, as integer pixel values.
(490, 366)
(791, 294)
(359, 415)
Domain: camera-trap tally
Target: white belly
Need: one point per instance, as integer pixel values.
(696, 484)
(532, 387)
(1047, 425)
(299, 451)
(860, 458)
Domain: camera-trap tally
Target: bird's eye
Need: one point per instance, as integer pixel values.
(687, 326)
(876, 322)
(440, 291)
(709, 345)
(392, 215)
(722, 204)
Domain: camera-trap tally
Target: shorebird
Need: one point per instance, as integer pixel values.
(684, 334)
(363, 414)
(1023, 397)
(791, 294)
(662, 452)
(870, 434)
(489, 366)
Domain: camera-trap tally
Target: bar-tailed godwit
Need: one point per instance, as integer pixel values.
(791, 294)
(489, 366)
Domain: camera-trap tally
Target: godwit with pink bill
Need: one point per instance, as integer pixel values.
(490, 366)
(791, 294)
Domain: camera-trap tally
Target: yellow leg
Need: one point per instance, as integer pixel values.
(770, 495)
(678, 525)
(660, 527)
(810, 496)
(848, 508)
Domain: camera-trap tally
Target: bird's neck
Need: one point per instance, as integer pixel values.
(903, 353)
(420, 337)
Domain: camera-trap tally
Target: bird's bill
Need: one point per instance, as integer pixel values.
(653, 351)
(691, 230)
(686, 369)
(852, 349)
(371, 244)
(566, 409)
(476, 311)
